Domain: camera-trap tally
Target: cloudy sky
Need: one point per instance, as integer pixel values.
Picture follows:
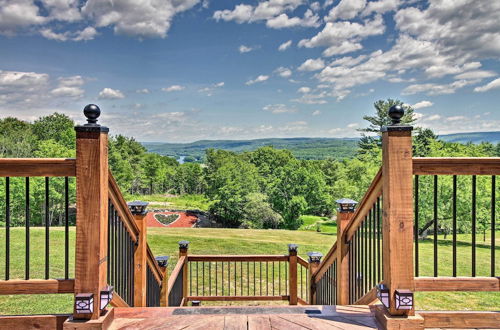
(183, 70)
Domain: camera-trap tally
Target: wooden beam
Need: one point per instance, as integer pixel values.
(237, 298)
(118, 301)
(342, 271)
(330, 257)
(457, 283)
(175, 273)
(370, 197)
(238, 258)
(456, 166)
(37, 286)
(292, 276)
(54, 321)
(301, 261)
(457, 319)
(157, 271)
(140, 261)
(121, 207)
(22, 167)
(397, 187)
(369, 298)
(91, 250)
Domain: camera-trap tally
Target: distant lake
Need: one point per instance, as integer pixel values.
(181, 159)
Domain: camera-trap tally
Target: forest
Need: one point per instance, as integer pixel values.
(264, 188)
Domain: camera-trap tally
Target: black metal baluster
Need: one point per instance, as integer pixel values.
(66, 228)
(235, 283)
(241, 278)
(374, 247)
(203, 278)
(222, 280)
(229, 277)
(267, 278)
(473, 226)
(190, 278)
(248, 278)
(365, 257)
(416, 224)
(286, 279)
(197, 284)
(216, 280)
(47, 224)
(435, 239)
(493, 207)
(379, 242)
(7, 228)
(454, 225)
(279, 278)
(260, 277)
(27, 223)
(254, 283)
(209, 278)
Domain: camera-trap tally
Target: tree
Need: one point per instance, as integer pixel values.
(16, 138)
(257, 213)
(57, 127)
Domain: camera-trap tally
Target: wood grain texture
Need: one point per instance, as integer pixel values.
(237, 298)
(457, 283)
(118, 301)
(397, 245)
(235, 322)
(51, 167)
(456, 166)
(240, 258)
(55, 321)
(343, 220)
(259, 322)
(454, 319)
(369, 298)
(327, 260)
(140, 262)
(121, 207)
(37, 286)
(292, 277)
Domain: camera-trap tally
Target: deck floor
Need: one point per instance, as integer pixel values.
(261, 318)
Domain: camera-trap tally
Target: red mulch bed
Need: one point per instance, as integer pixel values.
(186, 220)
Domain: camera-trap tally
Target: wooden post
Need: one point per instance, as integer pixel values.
(344, 216)
(183, 251)
(292, 273)
(397, 178)
(91, 249)
(163, 263)
(314, 262)
(138, 209)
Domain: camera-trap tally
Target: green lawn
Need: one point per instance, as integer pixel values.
(160, 201)
(312, 222)
(163, 241)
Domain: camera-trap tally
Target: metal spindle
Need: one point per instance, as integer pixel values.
(493, 206)
(47, 224)
(473, 226)
(435, 239)
(66, 228)
(454, 225)
(7, 228)
(416, 223)
(27, 239)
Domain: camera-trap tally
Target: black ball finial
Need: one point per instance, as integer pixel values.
(396, 112)
(92, 112)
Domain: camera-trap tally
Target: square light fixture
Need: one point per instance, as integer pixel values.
(84, 303)
(314, 256)
(383, 294)
(106, 296)
(346, 205)
(404, 299)
(137, 207)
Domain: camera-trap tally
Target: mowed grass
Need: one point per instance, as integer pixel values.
(183, 202)
(312, 222)
(163, 241)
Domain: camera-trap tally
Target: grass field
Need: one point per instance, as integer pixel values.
(163, 241)
(183, 202)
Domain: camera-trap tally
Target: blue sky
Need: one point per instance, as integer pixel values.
(184, 70)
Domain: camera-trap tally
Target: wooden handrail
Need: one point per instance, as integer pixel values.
(118, 201)
(330, 257)
(42, 167)
(456, 166)
(301, 261)
(238, 258)
(154, 265)
(175, 273)
(118, 301)
(370, 197)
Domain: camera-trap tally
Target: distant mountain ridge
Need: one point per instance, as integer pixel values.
(302, 148)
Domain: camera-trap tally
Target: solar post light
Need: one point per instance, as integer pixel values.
(162, 261)
(106, 296)
(84, 303)
(314, 256)
(346, 205)
(383, 294)
(404, 299)
(137, 207)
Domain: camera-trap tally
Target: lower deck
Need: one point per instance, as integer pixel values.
(261, 318)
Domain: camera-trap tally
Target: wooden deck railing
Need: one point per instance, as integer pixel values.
(24, 178)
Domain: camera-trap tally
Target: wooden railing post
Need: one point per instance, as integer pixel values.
(91, 249)
(314, 262)
(292, 273)
(163, 263)
(183, 252)
(138, 210)
(397, 178)
(345, 212)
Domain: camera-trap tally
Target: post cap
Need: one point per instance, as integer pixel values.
(183, 244)
(396, 112)
(293, 247)
(346, 204)
(314, 256)
(91, 112)
(137, 207)
(162, 261)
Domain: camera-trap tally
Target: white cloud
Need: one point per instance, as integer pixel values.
(312, 65)
(283, 21)
(422, 104)
(74, 92)
(24, 88)
(478, 74)
(209, 90)
(316, 113)
(344, 37)
(143, 91)
(295, 126)
(283, 72)
(352, 125)
(278, 109)
(245, 49)
(88, 33)
(110, 94)
(259, 79)
(346, 9)
(494, 84)
(173, 88)
(304, 90)
(284, 46)
(437, 89)
(16, 14)
(380, 7)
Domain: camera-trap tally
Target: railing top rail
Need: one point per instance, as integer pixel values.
(456, 165)
(302, 261)
(122, 208)
(39, 167)
(238, 258)
(175, 273)
(330, 257)
(154, 265)
(370, 197)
